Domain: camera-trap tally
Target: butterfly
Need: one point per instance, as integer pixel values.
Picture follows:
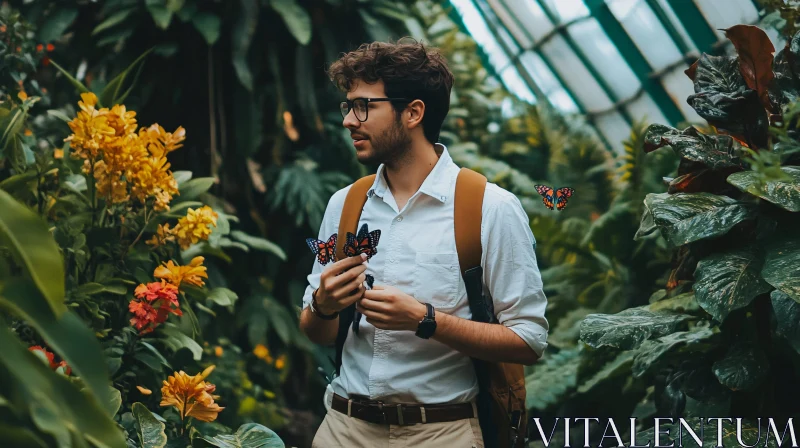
(560, 195)
(365, 242)
(357, 317)
(325, 251)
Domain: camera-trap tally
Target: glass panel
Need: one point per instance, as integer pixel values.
(644, 108)
(579, 80)
(727, 13)
(479, 31)
(604, 57)
(679, 87)
(646, 31)
(516, 85)
(532, 15)
(673, 19)
(504, 13)
(566, 10)
(548, 83)
(615, 129)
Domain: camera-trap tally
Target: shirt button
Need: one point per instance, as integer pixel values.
(399, 218)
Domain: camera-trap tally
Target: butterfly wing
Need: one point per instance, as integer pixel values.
(561, 196)
(375, 236)
(365, 242)
(324, 250)
(350, 245)
(330, 249)
(547, 195)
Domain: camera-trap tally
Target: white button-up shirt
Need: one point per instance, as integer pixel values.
(417, 254)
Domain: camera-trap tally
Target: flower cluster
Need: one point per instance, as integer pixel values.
(191, 395)
(192, 274)
(192, 228)
(153, 303)
(262, 352)
(50, 360)
(125, 163)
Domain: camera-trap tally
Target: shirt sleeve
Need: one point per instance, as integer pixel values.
(329, 226)
(511, 274)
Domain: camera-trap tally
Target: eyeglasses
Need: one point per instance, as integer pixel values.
(359, 106)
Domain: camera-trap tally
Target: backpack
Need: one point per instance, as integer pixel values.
(501, 397)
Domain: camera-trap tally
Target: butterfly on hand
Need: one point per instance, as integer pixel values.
(365, 242)
(325, 251)
(557, 197)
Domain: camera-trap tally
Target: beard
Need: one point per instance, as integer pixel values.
(388, 148)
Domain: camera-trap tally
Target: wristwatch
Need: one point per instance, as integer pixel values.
(427, 326)
(315, 310)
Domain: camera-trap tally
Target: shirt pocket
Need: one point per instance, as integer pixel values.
(436, 278)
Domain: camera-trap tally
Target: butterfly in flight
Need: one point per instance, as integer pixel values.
(325, 251)
(365, 242)
(557, 197)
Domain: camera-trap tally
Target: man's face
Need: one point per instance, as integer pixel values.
(382, 138)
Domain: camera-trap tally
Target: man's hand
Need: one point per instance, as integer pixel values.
(341, 284)
(388, 308)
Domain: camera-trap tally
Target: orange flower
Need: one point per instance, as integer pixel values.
(191, 395)
(50, 47)
(39, 48)
(45, 355)
(154, 302)
(218, 351)
(144, 390)
(193, 273)
(58, 153)
(163, 234)
(280, 363)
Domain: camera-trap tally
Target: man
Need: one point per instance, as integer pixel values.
(398, 95)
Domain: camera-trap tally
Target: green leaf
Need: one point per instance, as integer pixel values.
(259, 243)
(780, 193)
(629, 328)
(162, 16)
(176, 340)
(111, 93)
(33, 247)
(619, 366)
(59, 114)
(148, 428)
(654, 352)
(296, 18)
(242, 37)
(181, 177)
(743, 367)
(78, 85)
(222, 296)
(20, 437)
(787, 315)
(57, 395)
(687, 217)
(57, 23)
(112, 20)
(682, 303)
(192, 189)
(782, 265)
(715, 151)
(552, 378)
(112, 407)
(249, 435)
(727, 281)
(67, 335)
(208, 25)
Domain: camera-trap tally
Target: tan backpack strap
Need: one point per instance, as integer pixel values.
(470, 186)
(351, 211)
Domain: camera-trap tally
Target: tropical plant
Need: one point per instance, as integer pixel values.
(721, 337)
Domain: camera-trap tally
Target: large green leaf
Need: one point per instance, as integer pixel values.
(787, 315)
(148, 428)
(54, 395)
(58, 20)
(552, 378)
(619, 366)
(655, 351)
(208, 25)
(176, 340)
(629, 328)
(784, 194)
(249, 435)
(193, 188)
(727, 281)
(26, 235)
(296, 18)
(259, 243)
(242, 36)
(743, 367)
(67, 334)
(687, 217)
(782, 265)
(715, 151)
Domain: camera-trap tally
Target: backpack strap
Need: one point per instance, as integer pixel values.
(348, 222)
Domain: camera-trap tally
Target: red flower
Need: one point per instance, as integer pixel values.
(39, 48)
(45, 355)
(50, 47)
(154, 302)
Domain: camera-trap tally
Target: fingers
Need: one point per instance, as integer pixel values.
(349, 277)
(347, 301)
(347, 263)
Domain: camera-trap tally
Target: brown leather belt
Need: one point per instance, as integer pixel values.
(401, 414)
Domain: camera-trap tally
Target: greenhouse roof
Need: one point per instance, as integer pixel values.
(614, 61)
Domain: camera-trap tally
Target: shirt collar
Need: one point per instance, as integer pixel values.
(436, 185)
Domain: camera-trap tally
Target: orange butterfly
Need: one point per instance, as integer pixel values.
(559, 197)
(325, 251)
(365, 242)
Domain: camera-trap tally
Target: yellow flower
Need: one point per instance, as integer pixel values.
(144, 390)
(191, 395)
(195, 226)
(261, 351)
(22, 95)
(192, 274)
(163, 234)
(280, 363)
(58, 153)
(218, 351)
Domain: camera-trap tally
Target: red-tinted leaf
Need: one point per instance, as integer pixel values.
(691, 72)
(755, 57)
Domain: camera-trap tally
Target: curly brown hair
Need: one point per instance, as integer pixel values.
(408, 69)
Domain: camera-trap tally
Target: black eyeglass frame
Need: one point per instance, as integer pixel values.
(349, 104)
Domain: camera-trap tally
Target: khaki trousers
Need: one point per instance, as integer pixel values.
(340, 431)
